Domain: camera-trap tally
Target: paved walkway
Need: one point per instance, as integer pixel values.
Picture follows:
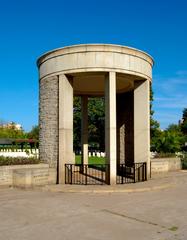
(53, 213)
(158, 182)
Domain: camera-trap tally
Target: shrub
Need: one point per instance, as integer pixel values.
(4, 161)
(168, 141)
(184, 161)
(164, 155)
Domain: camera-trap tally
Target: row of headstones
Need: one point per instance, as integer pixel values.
(92, 153)
(19, 154)
(9, 149)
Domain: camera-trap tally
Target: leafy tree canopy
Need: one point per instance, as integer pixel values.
(95, 122)
(184, 121)
(34, 133)
(11, 133)
(168, 142)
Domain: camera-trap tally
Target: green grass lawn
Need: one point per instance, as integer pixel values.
(91, 160)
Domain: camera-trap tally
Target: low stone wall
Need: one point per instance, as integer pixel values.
(40, 174)
(27, 175)
(162, 165)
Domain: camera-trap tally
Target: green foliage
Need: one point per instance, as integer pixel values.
(184, 160)
(184, 121)
(4, 161)
(155, 132)
(77, 122)
(95, 121)
(165, 155)
(154, 125)
(34, 133)
(12, 133)
(174, 128)
(168, 141)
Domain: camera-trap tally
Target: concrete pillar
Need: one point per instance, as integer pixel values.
(142, 123)
(84, 129)
(65, 125)
(110, 125)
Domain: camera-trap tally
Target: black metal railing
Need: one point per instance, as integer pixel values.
(137, 172)
(86, 174)
(98, 174)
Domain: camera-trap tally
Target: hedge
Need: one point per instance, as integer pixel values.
(4, 161)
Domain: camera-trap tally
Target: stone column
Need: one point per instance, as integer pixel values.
(65, 125)
(84, 129)
(48, 123)
(110, 125)
(142, 123)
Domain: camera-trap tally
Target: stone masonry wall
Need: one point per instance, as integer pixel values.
(48, 121)
(161, 165)
(125, 129)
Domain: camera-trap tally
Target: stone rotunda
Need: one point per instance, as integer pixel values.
(119, 73)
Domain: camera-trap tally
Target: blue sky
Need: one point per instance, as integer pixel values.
(30, 28)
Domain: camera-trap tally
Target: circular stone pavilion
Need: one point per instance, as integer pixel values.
(119, 73)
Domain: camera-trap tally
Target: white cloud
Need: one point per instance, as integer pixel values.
(170, 83)
(179, 101)
(174, 88)
(170, 96)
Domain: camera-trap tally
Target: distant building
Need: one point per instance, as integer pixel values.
(12, 125)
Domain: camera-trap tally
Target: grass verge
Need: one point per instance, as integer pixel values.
(91, 160)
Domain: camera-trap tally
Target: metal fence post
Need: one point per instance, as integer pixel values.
(123, 167)
(65, 175)
(71, 173)
(134, 172)
(102, 177)
(146, 171)
(86, 166)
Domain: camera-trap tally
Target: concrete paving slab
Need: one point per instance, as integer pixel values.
(150, 215)
(157, 182)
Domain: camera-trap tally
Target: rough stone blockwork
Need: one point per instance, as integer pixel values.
(125, 128)
(48, 138)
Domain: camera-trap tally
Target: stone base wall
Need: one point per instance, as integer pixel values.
(162, 165)
(27, 175)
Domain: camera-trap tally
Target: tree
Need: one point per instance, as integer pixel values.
(11, 133)
(154, 125)
(96, 120)
(184, 122)
(77, 122)
(155, 131)
(170, 140)
(34, 133)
